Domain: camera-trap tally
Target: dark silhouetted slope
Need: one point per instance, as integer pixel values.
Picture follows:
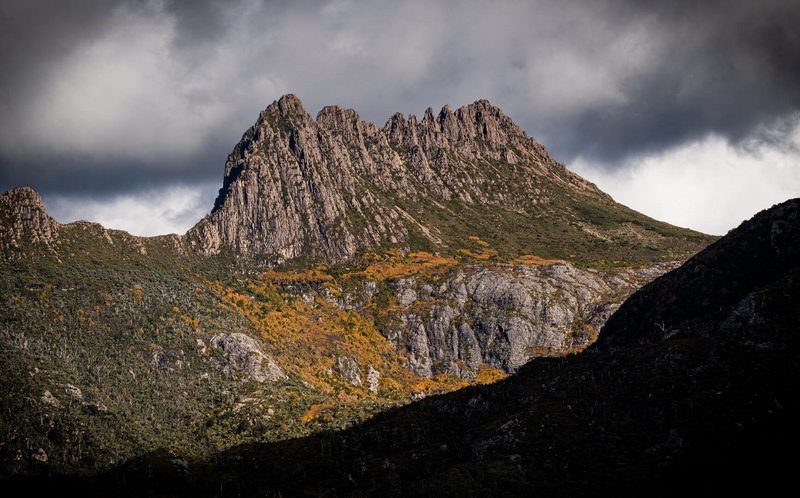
(713, 282)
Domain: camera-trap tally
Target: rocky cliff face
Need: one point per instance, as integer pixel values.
(503, 317)
(472, 316)
(332, 188)
(23, 221)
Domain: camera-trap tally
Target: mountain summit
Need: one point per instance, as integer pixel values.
(336, 187)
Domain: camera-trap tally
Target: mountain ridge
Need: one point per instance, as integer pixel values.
(338, 188)
(335, 188)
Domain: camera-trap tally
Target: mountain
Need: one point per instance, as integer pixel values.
(344, 271)
(712, 407)
(335, 188)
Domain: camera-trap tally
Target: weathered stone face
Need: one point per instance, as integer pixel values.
(26, 220)
(299, 187)
(243, 354)
(499, 315)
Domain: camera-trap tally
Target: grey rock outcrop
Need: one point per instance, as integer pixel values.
(49, 399)
(373, 379)
(349, 369)
(25, 221)
(503, 316)
(168, 360)
(243, 354)
(499, 315)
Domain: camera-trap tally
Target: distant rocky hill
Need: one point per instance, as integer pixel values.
(334, 188)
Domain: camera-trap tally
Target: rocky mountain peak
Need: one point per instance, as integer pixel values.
(479, 129)
(335, 187)
(291, 108)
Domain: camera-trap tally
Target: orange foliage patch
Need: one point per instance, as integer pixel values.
(488, 375)
(395, 266)
(306, 339)
(531, 260)
(478, 240)
(315, 411)
(480, 255)
(192, 322)
(137, 294)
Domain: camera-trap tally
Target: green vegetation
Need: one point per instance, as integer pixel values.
(576, 228)
(704, 410)
(106, 355)
(128, 323)
(712, 406)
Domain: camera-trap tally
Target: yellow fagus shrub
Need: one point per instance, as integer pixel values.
(478, 240)
(438, 383)
(480, 251)
(192, 322)
(390, 386)
(531, 260)
(315, 411)
(480, 255)
(308, 339)
(393, 265)
(137, 294)
(488, 375)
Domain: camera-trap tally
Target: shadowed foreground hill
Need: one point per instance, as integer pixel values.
(713, 407)
(714, 282)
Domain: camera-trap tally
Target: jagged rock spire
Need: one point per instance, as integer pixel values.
(299, 187)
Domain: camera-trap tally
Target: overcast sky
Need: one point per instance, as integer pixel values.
(123, 112)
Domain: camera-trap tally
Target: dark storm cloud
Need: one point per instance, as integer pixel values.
(84, 175)
(198, 21)
(725, 68)
(103, 97)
